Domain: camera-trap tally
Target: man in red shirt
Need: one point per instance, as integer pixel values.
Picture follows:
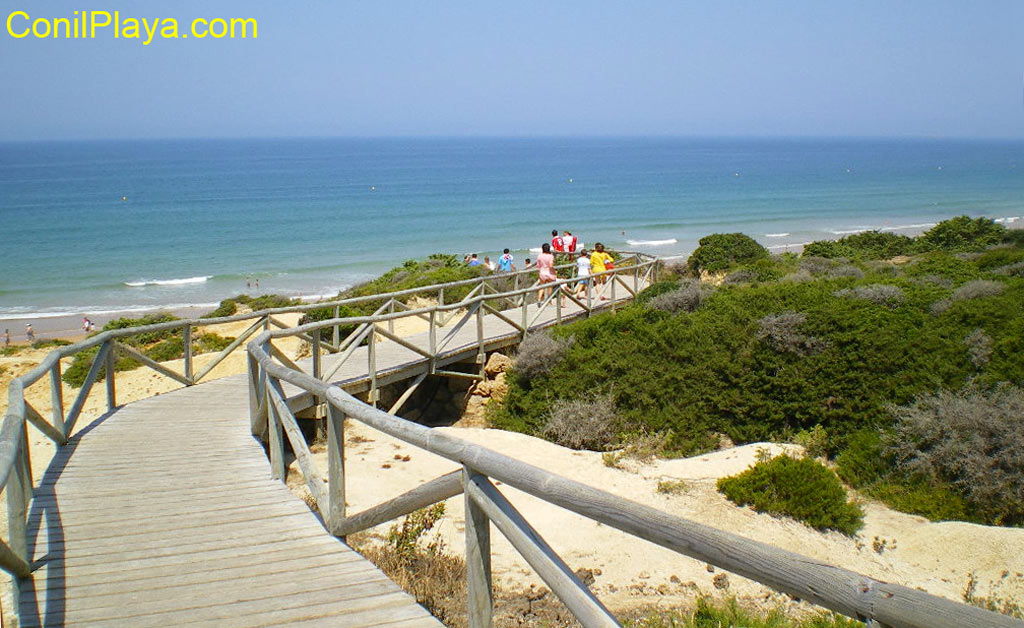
(556, 242)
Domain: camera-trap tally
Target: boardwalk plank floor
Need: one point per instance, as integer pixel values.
(163, 513)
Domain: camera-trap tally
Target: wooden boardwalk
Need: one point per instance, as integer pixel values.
(163, 513)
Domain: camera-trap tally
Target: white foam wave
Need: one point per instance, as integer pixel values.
(922, 225)
(848, 231)
(167, 282)
(1008, 220)
(651, 242)
(787, 246)
(776, 235)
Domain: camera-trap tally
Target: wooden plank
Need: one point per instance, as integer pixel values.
(479, 592)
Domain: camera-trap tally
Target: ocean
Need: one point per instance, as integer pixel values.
(122, 226)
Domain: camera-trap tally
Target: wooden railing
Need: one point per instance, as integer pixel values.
(15, 469)
(849, 593)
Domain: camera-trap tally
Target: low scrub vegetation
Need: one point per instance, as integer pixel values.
(729, 614)
(800, 488)
(160, 346)
(436, 269)
(767, 358)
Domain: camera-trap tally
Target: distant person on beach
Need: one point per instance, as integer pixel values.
(528, 264)
(30, 333)
(248, 283)
(569, 241)
(557, 245)
(545, 271)
(505, 262)
(257, 283)
(7, 338)
(473, 261)
(489, 264)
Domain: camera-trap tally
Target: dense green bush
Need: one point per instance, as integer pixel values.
(721, 251)
(869, 245)
(962, 233)
(800, 488)
(227, 307)
(271, 302)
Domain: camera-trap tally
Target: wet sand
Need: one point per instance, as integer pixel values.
(69, 327)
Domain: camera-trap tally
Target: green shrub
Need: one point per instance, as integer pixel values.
(271, 302)
(729, 614)
(227, 307)
(868, 245)
(962, 233)
(686, 298)
(996, 258)
(720, 251)
(657, 289)
(878, 293)
(538, 354)
(800, 488)
(54, 342)
(814, 441)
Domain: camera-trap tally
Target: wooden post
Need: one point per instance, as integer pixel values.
(371, 358)
(433, 340)
(316, 353)
(478, 561)
(614, 279)
(111, 390)
(277, 468)
(187, 338)
(558, 304)
(254, 391)
(57, 400)
(590, 296)
(525, 318)
(481, 355)
(335, 468)
(440, 296)
(336, 337)
(391, 321)
(16, 511)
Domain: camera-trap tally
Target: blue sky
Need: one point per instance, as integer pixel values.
(743, 68)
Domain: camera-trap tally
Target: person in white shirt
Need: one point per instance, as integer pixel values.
(582, 273)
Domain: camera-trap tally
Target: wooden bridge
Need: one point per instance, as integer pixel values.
(166, 512)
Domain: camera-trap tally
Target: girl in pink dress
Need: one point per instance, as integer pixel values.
(546, 271)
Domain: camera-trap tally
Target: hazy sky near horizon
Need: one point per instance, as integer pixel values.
(933, 68)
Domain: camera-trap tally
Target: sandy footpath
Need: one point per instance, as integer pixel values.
(895, 547)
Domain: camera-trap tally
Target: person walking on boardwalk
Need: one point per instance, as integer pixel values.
(545, 271)
(599, 261)
(582, 273)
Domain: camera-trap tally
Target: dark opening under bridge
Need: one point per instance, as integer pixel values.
(165, 511)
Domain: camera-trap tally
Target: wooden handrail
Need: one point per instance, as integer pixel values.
(13, 430)
(849, 593)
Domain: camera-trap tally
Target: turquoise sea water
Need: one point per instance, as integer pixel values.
(309, 217)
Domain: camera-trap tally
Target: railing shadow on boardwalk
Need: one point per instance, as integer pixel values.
(44, 517)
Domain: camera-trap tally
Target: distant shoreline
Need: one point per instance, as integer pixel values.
(69, 326)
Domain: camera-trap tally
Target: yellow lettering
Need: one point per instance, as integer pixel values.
(172, 24)
(224, 27)
(94, 24)
(130, 28)
(67, 27)
(196, 33)
(244, 23)
(10, 27)
(36, 29)
(150, 31)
